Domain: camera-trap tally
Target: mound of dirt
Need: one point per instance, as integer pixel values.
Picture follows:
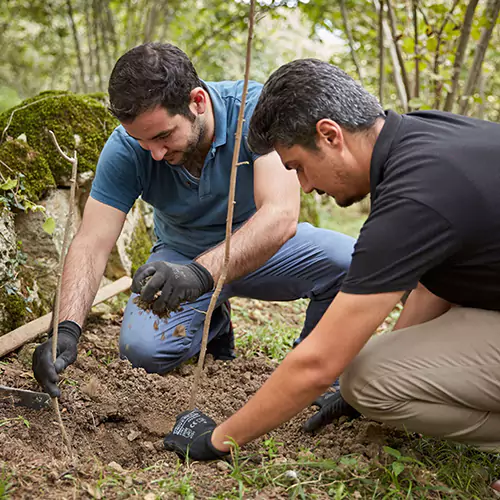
(114, 413)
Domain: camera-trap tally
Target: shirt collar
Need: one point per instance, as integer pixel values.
(382, 149)
(220, 115)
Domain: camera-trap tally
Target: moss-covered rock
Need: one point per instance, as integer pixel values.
(79, 122)
(13, 311)
(18, 157)
(309, 209)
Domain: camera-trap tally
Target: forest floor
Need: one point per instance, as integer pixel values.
(117, 416)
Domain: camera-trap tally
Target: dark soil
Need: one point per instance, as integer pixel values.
(114, 413)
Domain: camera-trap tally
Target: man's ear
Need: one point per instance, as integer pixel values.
(198, 98)
(329, 132)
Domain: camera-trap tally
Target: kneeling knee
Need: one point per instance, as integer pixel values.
(140, 353)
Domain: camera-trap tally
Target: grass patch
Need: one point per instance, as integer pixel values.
(352, 476)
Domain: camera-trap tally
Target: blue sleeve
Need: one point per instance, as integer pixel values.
(253, 94)
(116, 181)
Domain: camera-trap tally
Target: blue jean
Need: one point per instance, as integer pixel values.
(310, 265)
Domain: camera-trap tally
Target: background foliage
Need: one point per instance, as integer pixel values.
(73, 44)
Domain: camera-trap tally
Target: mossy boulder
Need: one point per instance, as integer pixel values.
(80, 122)
(17, 157)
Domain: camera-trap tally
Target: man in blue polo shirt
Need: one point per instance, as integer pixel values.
(174, 149)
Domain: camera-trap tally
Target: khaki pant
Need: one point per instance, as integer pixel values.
(441, 378)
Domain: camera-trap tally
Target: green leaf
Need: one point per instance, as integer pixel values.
(49, 225)
(9, 184)
(432, 44)
(392, 452)
(397, 468)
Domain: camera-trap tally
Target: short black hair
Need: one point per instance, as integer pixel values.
(151, 75)
(298, 95)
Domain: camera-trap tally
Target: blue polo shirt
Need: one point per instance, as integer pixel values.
(189, 213)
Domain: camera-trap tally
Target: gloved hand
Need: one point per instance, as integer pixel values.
(178, 283)
(191, 437)
(44, 368)
(331, 406)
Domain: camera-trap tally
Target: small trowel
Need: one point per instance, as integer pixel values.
(22, 397)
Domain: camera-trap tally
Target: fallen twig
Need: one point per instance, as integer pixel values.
(229, 220)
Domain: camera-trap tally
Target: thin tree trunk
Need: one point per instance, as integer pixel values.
(397, 46)
(350, 40)
(150, 27)
(95, 22)
(492, 11)
(438, 85)
(110, 21)
(381, 54)
(77, 45)
(416, 50)
(104, 37)
(90, 47)
(130, 17)
(460, 54)
(398, 80)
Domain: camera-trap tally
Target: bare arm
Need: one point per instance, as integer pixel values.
(421, 306)
(310, 368)
(277, 198)
(87, 257)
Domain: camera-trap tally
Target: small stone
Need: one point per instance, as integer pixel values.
(116, 467)
(158, 445)
(92, 388)
(128, 483)
(223, 466)
(291, 474)
(148, 446)
(133, 435)
(150, 496)
(343, 419)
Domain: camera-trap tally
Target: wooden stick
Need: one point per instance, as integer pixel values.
(229, 220)
(66, 238)
(26, 333)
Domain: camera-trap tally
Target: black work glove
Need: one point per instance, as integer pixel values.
(178, 283)
(44, 368)
(331, 406)
(191, 437)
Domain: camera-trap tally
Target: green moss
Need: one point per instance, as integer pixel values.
(67, 115)
(14, 311)
(140, 246)
(309, 210)
(17, 156)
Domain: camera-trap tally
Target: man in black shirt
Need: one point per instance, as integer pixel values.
(434, 229)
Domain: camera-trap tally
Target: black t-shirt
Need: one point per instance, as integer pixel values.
(435, 218)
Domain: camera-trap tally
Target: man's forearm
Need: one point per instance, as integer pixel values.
(82, 275)
(252, 245)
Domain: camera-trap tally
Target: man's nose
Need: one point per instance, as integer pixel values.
(157, 152)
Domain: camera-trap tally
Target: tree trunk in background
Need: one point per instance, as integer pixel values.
(460, 54)
(416, 92)
(381, 56)
(350, 40)
(492, 11)
(398, 81)
(90, 48)
(438, 85)
(397, 46)
(83, 84)
(97, 53)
